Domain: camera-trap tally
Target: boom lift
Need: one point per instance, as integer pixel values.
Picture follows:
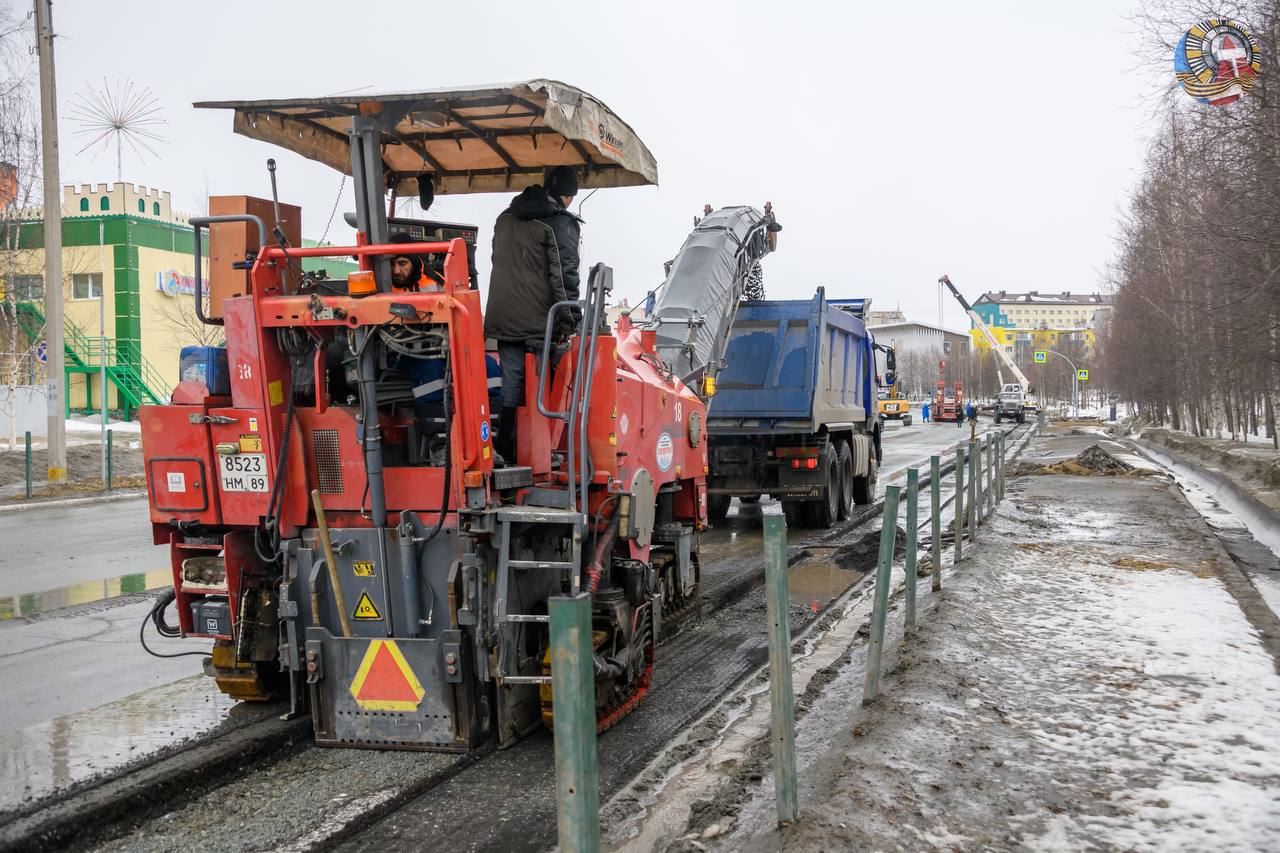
(349, 543)
(1014, 400)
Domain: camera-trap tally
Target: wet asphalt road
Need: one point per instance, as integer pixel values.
(57, 547)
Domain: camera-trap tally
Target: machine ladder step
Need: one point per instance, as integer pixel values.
(541, 564)
(526, 679)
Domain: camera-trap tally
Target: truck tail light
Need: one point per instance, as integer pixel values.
(784, 452)
(809, 464)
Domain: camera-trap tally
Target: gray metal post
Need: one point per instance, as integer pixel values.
(880, 602)
(574, 708)
(974, 495)
(935, 509)
(110, 460)
(26, 436)
(960, 463)
(913, 522)
(781, 697)
(991, 475)
(1000, 449)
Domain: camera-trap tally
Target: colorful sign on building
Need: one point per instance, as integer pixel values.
(174, 283)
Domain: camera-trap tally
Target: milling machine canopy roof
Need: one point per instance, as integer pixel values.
(493, 138)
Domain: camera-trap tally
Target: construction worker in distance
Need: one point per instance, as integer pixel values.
(535, 265)
(924, 413)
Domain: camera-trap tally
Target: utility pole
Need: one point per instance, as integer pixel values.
(55, 374)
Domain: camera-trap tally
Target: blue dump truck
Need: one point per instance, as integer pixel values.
(794, 414)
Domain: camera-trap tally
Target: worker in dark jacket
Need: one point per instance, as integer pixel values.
(535, 265)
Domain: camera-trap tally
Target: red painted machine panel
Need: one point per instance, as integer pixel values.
(179, 464)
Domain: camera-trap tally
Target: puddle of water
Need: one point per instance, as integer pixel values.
(44, 758)
(815, 583)
(15, 606)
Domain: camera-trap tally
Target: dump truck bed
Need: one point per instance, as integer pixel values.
(792, 366)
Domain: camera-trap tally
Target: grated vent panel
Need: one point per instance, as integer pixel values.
(328, 461)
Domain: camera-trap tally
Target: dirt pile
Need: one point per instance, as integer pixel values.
(1091, 462)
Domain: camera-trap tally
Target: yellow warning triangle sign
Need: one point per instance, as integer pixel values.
(365, 608)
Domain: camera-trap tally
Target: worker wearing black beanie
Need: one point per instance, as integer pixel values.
(406, 269)
(562, 184)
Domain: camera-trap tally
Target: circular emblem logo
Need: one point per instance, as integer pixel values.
(666, 451)
(484, 431)
(1216, 61)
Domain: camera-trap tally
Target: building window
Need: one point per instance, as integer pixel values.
(26, 288)
(105, 204)
(946, 347)
(86, 285)
(142, 206)
(155, 208)
(84, 205)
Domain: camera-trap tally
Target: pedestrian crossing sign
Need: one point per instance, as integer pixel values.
(1041, 357)
(1082, 375)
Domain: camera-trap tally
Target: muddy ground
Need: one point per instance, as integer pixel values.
(84, 468)
(1086, 680)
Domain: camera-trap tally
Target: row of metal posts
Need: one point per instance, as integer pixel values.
(26, 436)
(573, 683)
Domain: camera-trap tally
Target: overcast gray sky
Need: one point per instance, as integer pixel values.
(990, 141)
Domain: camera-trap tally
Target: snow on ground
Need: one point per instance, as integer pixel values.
(1084, 681)
(94, 425)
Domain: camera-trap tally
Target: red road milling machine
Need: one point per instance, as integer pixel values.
(352, 546)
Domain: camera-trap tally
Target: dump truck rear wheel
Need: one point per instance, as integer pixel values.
(844, 460)
(864, 488)
(825, 511)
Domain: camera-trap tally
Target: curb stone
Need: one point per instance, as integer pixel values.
(94, 499)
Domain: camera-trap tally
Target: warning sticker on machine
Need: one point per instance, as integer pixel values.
(177, 481)
(385, 681)
(365, 608)
(363, 568)
(666, 451)
(250, 444)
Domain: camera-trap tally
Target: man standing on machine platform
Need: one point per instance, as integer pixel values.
(535, 265)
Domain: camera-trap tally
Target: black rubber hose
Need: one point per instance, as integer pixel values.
(156, 616)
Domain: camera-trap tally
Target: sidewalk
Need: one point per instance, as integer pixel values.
(1086, 680)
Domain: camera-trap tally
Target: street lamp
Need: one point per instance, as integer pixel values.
(1075, 383)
